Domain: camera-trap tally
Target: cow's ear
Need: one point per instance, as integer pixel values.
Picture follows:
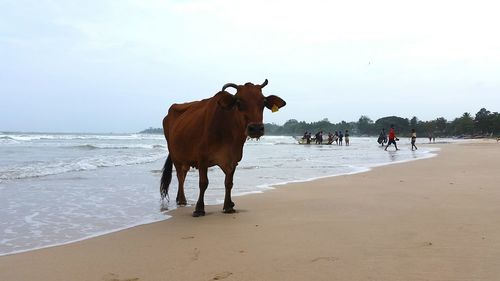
(274, 103)
(226, 100)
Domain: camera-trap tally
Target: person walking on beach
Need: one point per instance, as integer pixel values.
(413, 139)
(392, 138)
(330, 138)
(319, 137)
(341, 136)
(307, 137)
(346, 136)
(382, 138)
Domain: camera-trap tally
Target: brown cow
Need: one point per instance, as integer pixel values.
(211, 132)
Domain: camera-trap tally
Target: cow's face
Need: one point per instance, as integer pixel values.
(249, 102)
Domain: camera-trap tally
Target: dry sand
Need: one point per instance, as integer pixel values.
(433, 219)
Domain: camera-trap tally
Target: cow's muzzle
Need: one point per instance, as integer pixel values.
(255, 130)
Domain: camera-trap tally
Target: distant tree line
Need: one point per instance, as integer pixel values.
(152, 130)
(484, 123)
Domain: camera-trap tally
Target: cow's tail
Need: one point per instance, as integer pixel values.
(166, 178)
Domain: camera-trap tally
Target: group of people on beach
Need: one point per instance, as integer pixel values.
(338, 137)
(382, 138)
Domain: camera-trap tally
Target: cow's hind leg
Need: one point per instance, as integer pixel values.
(228, 182)
(200, 205)
(181, 177)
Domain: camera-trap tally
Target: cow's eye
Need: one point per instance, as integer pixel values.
(238, 104)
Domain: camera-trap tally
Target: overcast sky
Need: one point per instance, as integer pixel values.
(116, 66)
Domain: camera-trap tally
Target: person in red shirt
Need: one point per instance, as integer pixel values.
(392, 138)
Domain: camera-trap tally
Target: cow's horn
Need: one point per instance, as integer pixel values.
(264, 84)
(230, 85)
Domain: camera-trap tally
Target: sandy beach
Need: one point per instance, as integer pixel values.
(432, 219)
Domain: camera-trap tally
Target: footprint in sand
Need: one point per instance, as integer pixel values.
(196, 254)
(116, 277)
(330, 259)
(222, 275)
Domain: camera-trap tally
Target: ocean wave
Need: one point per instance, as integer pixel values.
(35, 137)
(253, 167)
(113, 146)
(285, 143)
(7, 140)
(26, 137)
(83, 146)
(42, 169)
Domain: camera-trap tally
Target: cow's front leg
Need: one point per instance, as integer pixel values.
(200, 205)
(228, 182)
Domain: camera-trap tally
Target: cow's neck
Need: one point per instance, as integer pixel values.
(230, 128)
(239, 129)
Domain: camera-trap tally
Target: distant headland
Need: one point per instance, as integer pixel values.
(152, 130)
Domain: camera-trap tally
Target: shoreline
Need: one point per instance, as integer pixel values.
(432, 152)
(435, 219)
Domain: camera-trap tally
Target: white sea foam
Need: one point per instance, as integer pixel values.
(38, 136)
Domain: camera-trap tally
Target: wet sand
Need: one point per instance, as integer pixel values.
(432, 219)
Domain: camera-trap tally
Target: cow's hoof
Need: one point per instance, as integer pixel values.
(229, 211)
(198, 214)
(181, 203)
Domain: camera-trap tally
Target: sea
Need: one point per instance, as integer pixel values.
(60, 188)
